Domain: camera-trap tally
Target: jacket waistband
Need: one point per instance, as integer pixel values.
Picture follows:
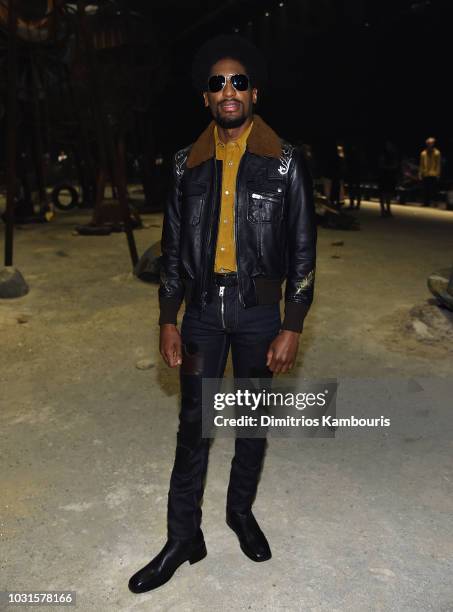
(229, 279)
(267, 290)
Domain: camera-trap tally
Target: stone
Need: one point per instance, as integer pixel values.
(144, 364)
(12, 283)
(421, 329)
(148, 266)
(439, 284)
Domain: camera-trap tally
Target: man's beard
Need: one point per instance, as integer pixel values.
(228, 123)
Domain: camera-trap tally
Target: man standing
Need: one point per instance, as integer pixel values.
(429, 170)
(354, 174)
(239, 220)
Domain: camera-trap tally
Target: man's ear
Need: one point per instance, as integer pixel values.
(254, 95)
(205, 97)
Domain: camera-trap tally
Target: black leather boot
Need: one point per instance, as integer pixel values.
(163, 566)
(251, 539)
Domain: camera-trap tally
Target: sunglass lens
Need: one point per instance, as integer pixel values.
(216, 83)
(240, 82)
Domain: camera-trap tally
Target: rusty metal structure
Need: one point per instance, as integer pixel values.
(74, 78)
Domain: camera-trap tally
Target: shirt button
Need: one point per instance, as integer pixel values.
(225, 220)
(227, 192)
(222, 248)
(230, 163)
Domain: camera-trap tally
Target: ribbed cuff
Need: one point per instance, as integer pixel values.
(295, 314)
(169, 310)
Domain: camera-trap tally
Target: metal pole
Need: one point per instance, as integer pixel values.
(121, 183)
(39, 152)
(11, 143)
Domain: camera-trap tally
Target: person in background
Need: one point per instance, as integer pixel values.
(354, 175)
(389, 169)
(335, 172)
(429, 170)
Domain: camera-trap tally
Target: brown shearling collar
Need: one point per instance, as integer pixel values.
(261, 141)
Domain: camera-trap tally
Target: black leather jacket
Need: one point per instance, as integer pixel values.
(274, 227)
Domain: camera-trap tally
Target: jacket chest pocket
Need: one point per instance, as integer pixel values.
(264, 206)
(192, 204)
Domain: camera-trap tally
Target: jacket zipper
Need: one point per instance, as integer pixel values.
(208, 239)
(259, 196)
(241, 163)
(222, 305)
(260, 237)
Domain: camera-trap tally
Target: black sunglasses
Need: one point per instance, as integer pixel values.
(240, 82)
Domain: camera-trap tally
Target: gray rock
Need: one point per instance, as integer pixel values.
(12, 283)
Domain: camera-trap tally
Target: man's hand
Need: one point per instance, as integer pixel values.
(170, 344)
(282, 351)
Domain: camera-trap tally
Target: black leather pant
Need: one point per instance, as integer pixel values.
(206, 343)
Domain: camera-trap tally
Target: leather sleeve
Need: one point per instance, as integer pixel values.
(171, 289)
(302, 236)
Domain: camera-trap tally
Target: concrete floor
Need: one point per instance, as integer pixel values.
(362, 522)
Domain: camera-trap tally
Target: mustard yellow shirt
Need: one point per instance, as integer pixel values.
(430, 163)
(230, 154)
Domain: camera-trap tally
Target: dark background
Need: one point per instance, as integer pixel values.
(355, 71)
(351, 70)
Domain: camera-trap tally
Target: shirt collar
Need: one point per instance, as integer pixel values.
(241, 142)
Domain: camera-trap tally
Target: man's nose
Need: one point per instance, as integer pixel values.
(229, 90)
